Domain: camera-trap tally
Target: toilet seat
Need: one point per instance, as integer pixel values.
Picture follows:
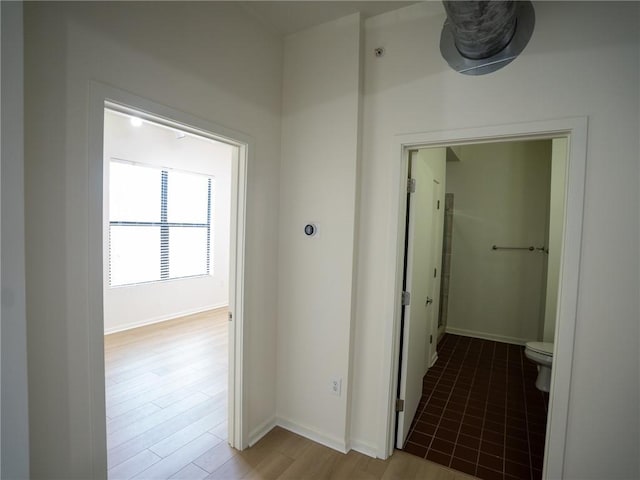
(543, 348)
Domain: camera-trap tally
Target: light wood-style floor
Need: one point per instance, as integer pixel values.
(166, 416)
(166, 397)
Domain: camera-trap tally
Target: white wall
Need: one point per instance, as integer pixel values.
(315, 274)
(14, 418)
(581, 60)
(501, 197)
(134, 305)
(207, 59)
(556, 231)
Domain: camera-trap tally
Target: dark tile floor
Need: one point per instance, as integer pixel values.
(480, 411)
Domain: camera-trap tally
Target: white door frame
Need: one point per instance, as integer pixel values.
(575, 129)
(101, 96)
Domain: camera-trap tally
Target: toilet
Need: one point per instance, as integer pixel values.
(541, 353)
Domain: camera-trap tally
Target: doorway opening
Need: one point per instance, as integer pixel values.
(166, 270)
(490, 273)
(167, 208)
(457, 348)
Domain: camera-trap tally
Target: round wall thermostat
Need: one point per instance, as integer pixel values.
(310, 229)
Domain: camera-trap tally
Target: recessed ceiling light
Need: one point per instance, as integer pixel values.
(136, 121)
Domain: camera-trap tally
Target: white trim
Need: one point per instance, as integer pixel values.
(1, 163)
(101, 96)
(14, 381)
(162, 318)
(238, 407)
(265, 427)
(363, 447)
(488, 336)
(308, 432)
(576, 130)
(1, 168)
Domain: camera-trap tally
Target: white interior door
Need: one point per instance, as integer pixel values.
(433, 282)
(437, 262)
(422, 279)
(436, 160)
(416, 319)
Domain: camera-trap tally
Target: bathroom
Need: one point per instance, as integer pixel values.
(500, 264)
(507, 195)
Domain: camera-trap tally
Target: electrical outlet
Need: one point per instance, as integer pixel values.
(336, 386)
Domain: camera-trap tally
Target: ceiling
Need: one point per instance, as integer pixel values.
(287, 17)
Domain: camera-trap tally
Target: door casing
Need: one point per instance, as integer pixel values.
(101, 96)
(575, 129)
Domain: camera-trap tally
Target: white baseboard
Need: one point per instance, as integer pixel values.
(265, 427)
(364, 448)
(311, 434)
(488, 336)
(259, 432)
(159, 319)
(434, 359)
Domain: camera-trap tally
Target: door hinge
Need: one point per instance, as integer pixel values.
(435, 272)
(438, 208)
(411, 185)
(406, 298)
(399, 405)
(230, 316)
(430, 338)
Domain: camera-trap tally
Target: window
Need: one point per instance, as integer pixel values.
(159, 224)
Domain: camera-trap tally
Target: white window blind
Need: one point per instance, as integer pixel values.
(159, 224)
